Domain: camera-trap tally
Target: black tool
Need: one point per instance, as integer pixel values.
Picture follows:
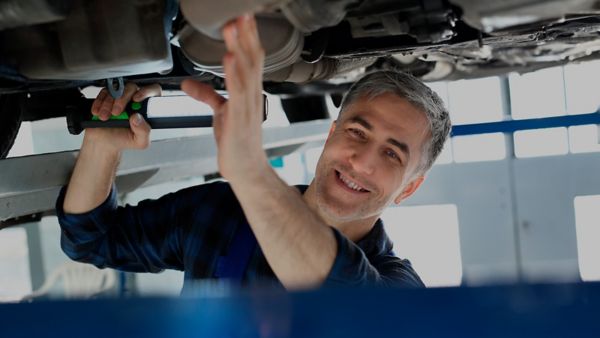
(79, 117)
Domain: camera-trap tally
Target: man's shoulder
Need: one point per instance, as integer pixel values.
(379, 249)
(400, 271)
(212, 193)
(376, 242)
(213, 187)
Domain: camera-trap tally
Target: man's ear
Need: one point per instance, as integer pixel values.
(409, 189)
(332, 128)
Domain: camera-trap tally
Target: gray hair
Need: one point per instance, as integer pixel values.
(418, 94)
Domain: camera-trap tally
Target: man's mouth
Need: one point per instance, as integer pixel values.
(349, 183)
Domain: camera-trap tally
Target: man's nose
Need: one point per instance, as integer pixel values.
(364, 160)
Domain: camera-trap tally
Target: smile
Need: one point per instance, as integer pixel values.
(349, 183)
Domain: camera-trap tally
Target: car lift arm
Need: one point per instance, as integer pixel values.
(30, 184)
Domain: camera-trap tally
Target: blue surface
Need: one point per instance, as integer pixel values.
(276, 162)
(508, 311)
(514, 125)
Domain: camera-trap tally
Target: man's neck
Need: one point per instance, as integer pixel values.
(354, 230)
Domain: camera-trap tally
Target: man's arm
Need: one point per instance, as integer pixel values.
(101, 149)
(298, 245)
(94, 229)
(92, 177)
(152, 236)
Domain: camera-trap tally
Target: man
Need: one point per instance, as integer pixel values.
(390, 130)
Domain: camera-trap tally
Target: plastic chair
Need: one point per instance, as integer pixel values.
(78, 281)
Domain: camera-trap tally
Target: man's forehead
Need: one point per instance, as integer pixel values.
(395, 111)
(388, 99)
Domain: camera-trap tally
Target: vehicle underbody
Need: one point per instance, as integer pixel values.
(52, 48)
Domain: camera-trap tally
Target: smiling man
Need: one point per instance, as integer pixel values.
(256, 228)
(372, 156)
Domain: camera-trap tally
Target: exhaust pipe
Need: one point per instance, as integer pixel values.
(209, 16)
(201, 41)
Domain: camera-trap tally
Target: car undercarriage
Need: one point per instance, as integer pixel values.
(52, 48)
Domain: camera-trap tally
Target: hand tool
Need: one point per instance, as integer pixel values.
(79, 117)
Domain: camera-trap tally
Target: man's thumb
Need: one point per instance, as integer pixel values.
(137, 119)
(140, 129)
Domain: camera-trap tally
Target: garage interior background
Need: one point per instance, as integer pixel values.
(496, 208)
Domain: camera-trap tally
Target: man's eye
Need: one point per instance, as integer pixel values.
(391, 154)
(356, 132)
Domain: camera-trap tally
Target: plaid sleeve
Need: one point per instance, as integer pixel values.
(144, 238)
(352, 267)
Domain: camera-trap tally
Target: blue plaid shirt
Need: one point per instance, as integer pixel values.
(192, 229)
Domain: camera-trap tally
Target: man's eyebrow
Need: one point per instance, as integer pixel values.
(403, 147)
(400, 145)
(362, 122)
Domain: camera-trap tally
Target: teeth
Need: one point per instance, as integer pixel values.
(350, 184)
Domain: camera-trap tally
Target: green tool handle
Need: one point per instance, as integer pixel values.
(79, 117)
(156, 123)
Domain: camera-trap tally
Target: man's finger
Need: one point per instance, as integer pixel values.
(217, 125)
(203, 92)
(249, 38)
(233, 81)
(243, 59)
(152, 90)
(230, 36)
(106, 107)
(140, 131)
(98, 101)
(121, 102)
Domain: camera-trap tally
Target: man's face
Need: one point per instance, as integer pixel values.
(369, 153)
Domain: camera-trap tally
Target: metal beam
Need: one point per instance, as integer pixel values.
(36, 257)
(528, 124)
(30, 184)
(510, 150)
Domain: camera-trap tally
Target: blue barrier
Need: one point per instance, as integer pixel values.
(552, 310)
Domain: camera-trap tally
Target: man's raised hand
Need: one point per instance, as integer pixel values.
(237, 121)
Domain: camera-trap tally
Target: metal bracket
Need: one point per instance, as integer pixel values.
(25, 219)
(115, 89)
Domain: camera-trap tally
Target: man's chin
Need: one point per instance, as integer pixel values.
(339, 205)
(334, 217)
(339, 212)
